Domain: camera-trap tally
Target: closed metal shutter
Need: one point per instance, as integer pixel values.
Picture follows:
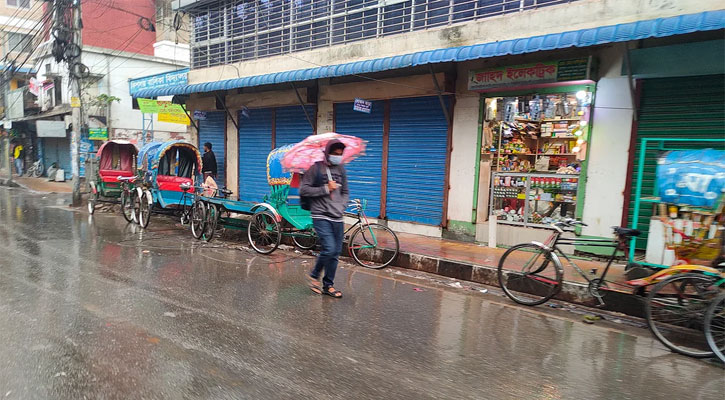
(255, 143)
(681, 108)
(417, 151)
(292, 125)
(56, 150)
(365, 173)
(212, 130)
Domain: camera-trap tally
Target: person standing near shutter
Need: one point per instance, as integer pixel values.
(328, 198)
(208, 161)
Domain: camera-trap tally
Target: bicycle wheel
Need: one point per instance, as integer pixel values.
(373, 246)
(530, 274)
(127, 206)
(715, 326)
(264, 233)
(198, 219)
(675, 311)
(144, 209)
(210, 222)
(305, 240)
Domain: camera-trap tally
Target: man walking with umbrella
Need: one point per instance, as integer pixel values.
(324, 186)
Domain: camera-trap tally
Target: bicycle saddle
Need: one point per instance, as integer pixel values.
(626, 232)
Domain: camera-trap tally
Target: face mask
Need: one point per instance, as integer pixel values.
(335, 160)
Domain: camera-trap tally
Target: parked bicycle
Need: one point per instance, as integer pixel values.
(129, 198)
(677, 312)
(36, 170)
(532, 273)
(371, 245)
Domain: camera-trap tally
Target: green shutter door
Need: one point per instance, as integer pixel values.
(681, 108)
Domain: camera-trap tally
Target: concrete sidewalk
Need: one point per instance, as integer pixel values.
(40, 184)
(478, 263)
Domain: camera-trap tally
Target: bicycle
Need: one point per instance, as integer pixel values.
(128, 204)
(682, 313)
(194, 214)
(371, 245)
(36, 170)
(535, 269)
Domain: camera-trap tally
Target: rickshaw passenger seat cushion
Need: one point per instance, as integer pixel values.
(172, 183)
(111, 175)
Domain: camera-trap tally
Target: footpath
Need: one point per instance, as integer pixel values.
(478, 263)
(454, 259)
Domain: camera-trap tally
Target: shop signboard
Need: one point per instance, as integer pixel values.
(542, 72)
(362, 106)
(54, 129)
(200, 115)
(158, 81)
(98, 134)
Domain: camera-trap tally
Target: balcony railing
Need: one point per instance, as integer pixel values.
(231, 30)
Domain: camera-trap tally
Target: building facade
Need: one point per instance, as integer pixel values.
(120, 43)
(515, 111)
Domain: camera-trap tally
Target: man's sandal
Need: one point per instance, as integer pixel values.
(314, 284)
(330, 291)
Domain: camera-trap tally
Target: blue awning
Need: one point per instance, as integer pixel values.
(661, 27)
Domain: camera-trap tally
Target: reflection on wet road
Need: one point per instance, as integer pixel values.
(93, 308)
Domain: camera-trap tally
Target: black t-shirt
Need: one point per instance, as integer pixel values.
(208, 162)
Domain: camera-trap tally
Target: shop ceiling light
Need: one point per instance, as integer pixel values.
(581, 95)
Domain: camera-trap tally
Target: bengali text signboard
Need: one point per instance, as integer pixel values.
(542, 72)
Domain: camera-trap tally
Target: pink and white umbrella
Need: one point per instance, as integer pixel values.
(312, 149)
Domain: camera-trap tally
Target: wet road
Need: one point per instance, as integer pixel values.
(91, 308)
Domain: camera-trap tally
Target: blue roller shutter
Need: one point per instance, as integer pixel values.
(365, 173)
(57, 150)
(292, 125)
(212, 130)
(255, 143)
(417, 149)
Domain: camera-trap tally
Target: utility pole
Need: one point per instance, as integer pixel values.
(75, 86)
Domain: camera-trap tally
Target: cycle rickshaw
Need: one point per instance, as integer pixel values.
(112, 175)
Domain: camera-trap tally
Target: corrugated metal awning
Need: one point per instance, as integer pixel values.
(661, 27)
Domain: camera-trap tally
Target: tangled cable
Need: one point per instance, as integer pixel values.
(64, 47)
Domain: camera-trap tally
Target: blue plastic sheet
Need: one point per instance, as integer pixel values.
(275, 173)
(692, 177)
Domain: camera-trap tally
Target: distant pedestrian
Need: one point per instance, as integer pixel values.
(325, 185)
(208, 161)
(19, 155)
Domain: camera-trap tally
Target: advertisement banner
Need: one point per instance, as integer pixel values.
(174, 118)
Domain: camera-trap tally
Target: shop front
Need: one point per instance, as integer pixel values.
(535, 127)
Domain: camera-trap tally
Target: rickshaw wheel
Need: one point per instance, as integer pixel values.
(305, 241)
(144, 210)
(127, 206)
(264, 232)
(92, 199)
(198, 219)
(210, 222)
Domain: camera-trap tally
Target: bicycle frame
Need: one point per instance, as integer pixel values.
(555, 240)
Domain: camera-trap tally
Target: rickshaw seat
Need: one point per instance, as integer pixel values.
(111, 175)
(172, 183)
